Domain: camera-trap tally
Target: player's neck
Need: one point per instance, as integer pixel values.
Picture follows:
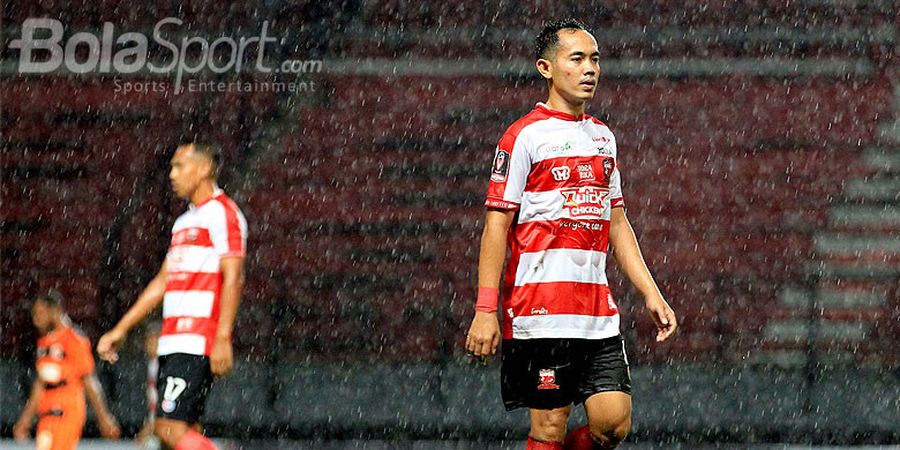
(557, 103)
(203, 192)
(55, 326)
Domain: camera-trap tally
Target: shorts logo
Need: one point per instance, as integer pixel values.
(168, 406)
(585, 171)
(174, 387)
(547, 379)
(560, 173)
(500, 167)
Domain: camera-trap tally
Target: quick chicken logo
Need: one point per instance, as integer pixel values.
(584, 202)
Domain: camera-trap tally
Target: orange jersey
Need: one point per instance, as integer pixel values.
(63, 359)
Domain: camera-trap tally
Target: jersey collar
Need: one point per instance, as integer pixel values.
(559, 114)
(216, 192)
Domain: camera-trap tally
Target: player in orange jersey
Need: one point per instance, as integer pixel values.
(65, 372)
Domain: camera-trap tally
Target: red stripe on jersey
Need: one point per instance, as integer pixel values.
(617, 202)
(585, 299)
(564, 233)
(191, 325)
(195, 236)
(570, 171)
(193, 281)
(232, 228)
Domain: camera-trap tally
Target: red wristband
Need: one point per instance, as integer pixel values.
(487, 300)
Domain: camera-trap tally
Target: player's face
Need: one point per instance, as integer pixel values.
(187, 172)
(43, 316)
(576, 66)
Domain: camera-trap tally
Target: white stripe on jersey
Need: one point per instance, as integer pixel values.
(192, 344)
(188, 304)
(193, 258)
(561, 265)
(565, 326)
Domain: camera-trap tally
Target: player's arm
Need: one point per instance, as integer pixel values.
(484, 334)
(221, 357)
(149, 299)
(631, 261)
(108, 425)
(23, 426)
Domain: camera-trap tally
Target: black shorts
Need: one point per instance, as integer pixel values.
(553, 373)
(182, 387)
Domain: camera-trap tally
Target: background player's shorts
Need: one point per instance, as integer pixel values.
(552, 373)
(182, 387)
(59, 432)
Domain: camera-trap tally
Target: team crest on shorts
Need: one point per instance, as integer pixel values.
(168, 406)
(547, 379)
(500, 168)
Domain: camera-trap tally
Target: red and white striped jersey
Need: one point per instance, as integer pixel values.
(559, 173)
(201, 237)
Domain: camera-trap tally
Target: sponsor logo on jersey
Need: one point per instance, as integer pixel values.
(539, 311)
(546, 151)
(547, 379)
(585, 171)
(584, 202)
(500, 167)
(603, 150)
(560, 173)
(602, 139)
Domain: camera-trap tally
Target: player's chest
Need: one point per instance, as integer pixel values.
(51, 362)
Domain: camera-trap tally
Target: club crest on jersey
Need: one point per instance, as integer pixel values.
(547, 379)
(560, 173)
(500, 167)
(584, 202)
(607, 168)
(585, 171)
(57, 352)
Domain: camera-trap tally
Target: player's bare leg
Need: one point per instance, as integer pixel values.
(609, 418)
(178, 435)
(170, 431)
(549, 425)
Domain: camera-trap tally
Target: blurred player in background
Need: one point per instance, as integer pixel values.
(200, 284)
(65, 372)
(555, 197)
(145, 437)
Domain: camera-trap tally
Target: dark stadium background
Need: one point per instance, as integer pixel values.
(760, 151)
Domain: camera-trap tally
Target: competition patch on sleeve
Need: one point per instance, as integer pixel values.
(500, 168)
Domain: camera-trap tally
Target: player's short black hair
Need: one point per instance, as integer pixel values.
(210, 152)
(546, 42)
(52, 298)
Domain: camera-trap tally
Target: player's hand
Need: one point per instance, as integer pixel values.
(21, 431)
(109, 427)
(484, 335)
(662, 316)
(221, 358)
(108, 345)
